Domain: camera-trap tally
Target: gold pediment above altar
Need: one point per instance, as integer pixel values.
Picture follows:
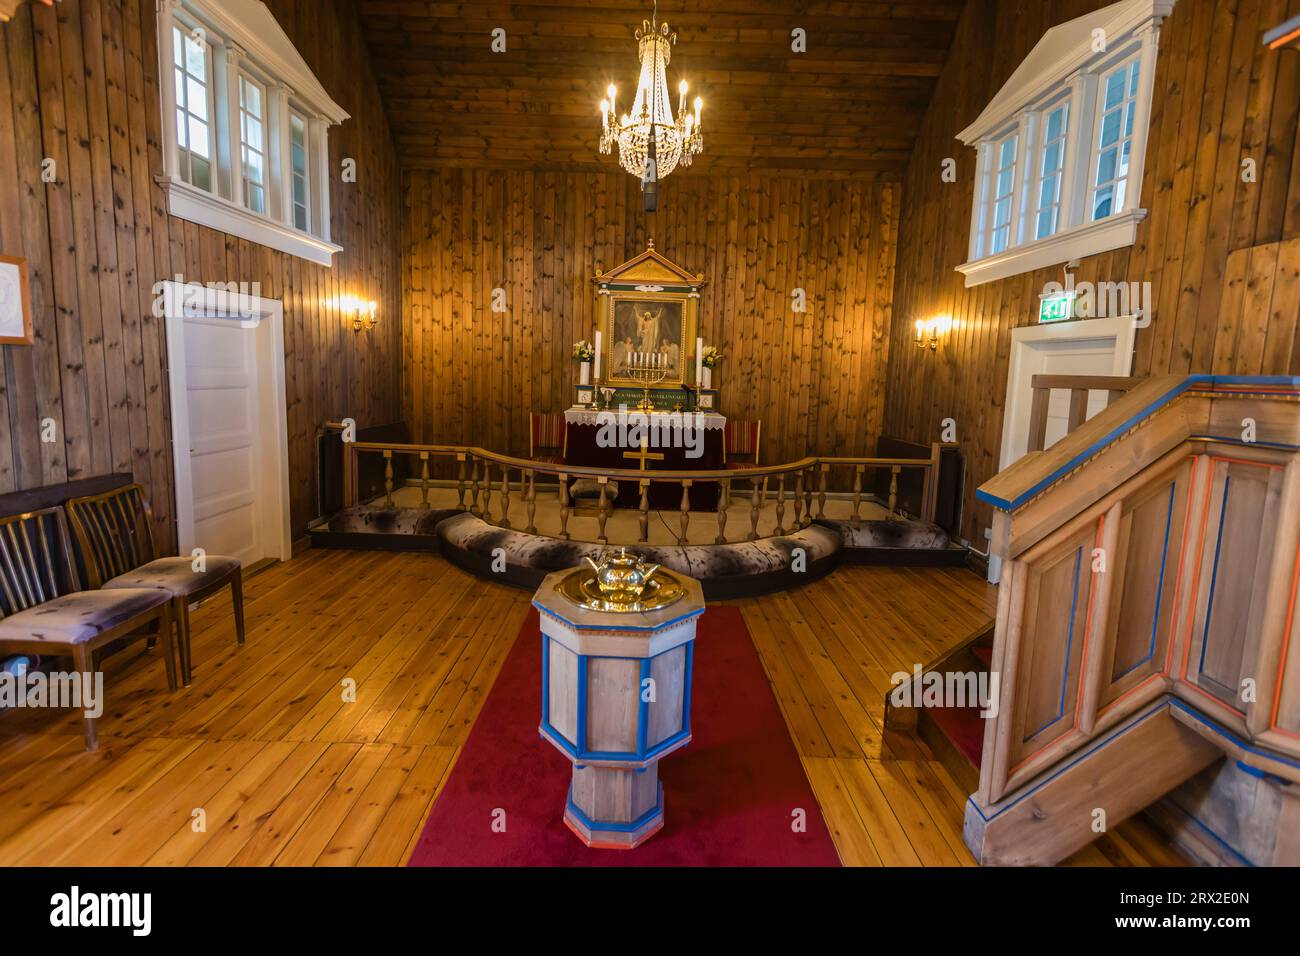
(649, 267)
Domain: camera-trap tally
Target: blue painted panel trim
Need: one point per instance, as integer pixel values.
(550, 612)
(580, 731)
(562, 742)
(1214, 575)
(1229, 735)
(1248, 444)
(1256, 772)
(1160, 588)
(643, 708)
(1069, 641)
(1186, 384)
(611, 827)
(546, 680)
(686, 688)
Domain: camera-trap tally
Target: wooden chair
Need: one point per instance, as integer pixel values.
(46, 613)
(740, 443)
(546, 434)
(113, 532)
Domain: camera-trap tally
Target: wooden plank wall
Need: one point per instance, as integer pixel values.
(815, 379)
(1220, 97)
(79, 85)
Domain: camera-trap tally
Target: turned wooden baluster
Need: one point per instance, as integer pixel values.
(505, 497)
(780, 505)
(798, 500)
(473, 488)
(604, 509)
(564, 507)
(807, 496)
(821, 491)
(893, 489)
(532, 501)
(753, 513)
(644, 518)
(460, 481)
(857, 495)
(388, 478)
(685, 510)
(424, 480)
(724, 499)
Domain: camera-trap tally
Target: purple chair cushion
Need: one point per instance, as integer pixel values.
(176, 575)
(78, 617)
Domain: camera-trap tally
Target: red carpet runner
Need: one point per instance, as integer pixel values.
(728, 796)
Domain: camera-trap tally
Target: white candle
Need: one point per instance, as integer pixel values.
(699, 361)
(598, 355)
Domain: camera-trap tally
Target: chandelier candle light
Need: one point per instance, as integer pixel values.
(651, 143)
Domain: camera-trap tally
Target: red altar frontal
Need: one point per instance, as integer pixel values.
(650, 442)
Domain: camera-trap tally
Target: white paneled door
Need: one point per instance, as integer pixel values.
(226, 471)
(229, 427)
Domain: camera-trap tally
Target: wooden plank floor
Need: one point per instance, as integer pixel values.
(264, 762)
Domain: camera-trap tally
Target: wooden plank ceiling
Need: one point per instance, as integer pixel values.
(852, 103)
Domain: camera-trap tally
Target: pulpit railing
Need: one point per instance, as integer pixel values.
(492, 486)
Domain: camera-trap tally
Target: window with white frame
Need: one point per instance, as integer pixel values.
(245, 125)
(1115, 116)
(1050, 166)
(1060, 149)
(252, 143)
(298, 168)
(193, 78)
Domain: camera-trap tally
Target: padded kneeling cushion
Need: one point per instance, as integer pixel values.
(752, 561)
(890, 534)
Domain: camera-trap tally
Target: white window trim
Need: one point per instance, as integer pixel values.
(1064, 58)
(246, 37)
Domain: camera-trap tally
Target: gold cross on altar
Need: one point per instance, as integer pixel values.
(643, 454)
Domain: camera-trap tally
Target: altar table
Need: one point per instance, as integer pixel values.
(581, 447)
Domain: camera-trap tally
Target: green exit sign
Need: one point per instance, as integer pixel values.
(1056, 307)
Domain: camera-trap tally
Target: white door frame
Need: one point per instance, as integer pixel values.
(182, 301)
(1020, 398)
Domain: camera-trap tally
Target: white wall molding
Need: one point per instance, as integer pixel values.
(1089, 239)
(197, 205)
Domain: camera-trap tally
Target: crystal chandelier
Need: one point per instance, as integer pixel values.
(651, 144)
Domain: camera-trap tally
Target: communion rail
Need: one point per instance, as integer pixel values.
(484, 486)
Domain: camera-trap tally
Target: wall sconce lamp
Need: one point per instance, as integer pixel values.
(930, 331)
(363, 313)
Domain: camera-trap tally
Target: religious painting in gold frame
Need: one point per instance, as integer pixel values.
(648, 304)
